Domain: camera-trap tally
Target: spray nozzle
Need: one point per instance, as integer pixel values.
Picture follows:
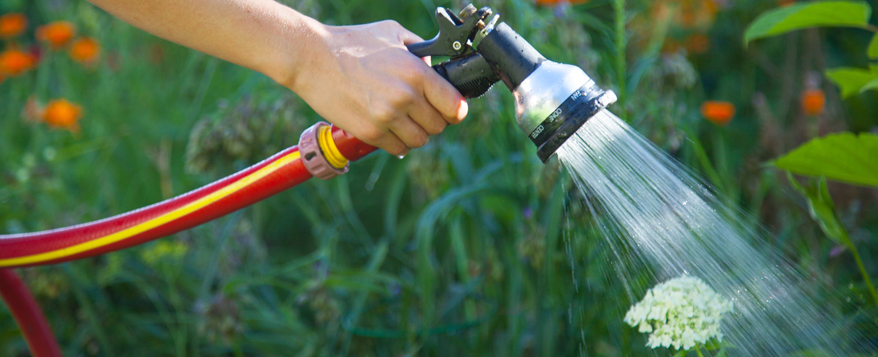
(552, 100)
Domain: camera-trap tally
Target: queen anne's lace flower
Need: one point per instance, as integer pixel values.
(679, 312)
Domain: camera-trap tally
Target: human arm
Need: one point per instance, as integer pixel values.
(360, 78)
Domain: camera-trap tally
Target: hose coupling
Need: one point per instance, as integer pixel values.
(320, 154)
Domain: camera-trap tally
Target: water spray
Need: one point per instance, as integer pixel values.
(552, 101)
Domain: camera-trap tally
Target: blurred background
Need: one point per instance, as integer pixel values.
(98, 118)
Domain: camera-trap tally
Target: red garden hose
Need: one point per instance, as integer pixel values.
(253, 184)
(28, 316)
(273, 175)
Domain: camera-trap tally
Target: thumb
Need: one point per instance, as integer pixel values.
(407, 37)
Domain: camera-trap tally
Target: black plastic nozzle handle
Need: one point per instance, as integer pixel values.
(510, 55)
(471, 75)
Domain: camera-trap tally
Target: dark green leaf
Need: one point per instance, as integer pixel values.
(852, 80)
(843, 157)
(813, 14)
(681, 353)
(873, 47)
(822, 210)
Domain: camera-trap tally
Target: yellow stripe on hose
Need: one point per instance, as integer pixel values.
(155, 222)
(330, 151)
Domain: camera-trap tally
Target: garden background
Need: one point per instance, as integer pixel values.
(99, 118)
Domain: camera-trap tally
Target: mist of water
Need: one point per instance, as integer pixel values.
(658, 219)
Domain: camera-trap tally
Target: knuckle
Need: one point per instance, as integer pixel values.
(390, 23)
(410, 73)
(400, 97)
(420, 139)
(384, 114)
(372, 135)
(397, 149)
(435, 128)
(409, 96)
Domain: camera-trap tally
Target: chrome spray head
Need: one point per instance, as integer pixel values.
(552, 100)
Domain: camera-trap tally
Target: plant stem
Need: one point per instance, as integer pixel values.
(698, 350)
(871, 27)
(864, 273)
(621, 44)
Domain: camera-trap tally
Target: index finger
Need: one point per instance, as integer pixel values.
(438, 90)
(445, 98)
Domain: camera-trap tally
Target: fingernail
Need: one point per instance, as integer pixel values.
(462, 109)
(404, 153)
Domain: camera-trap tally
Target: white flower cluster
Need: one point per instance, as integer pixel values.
(679, 312)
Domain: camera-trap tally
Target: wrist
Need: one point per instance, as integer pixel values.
(300, 42)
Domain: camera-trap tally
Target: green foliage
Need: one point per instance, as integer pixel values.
(806, 15)
(844, 157)
(822, 210)
(824, 14)
(854, 81)
(873, 48)
(873, 84)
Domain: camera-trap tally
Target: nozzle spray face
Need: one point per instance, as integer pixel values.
(552, 100)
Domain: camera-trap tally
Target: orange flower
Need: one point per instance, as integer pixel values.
(717, 112)
(813, 101)
(15, 62)
(85, 50)
(57, 34)
(12, 25)
(62, 114)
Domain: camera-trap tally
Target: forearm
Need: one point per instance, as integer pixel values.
(262, 35)
(361, 78)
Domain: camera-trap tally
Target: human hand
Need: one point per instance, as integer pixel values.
(364, 80)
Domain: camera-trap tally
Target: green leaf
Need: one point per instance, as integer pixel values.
(842, 157)
(852, 80)
(822, 210)
(873, 47)
(681, 353)
(813, 14)
(713, 345)
(869, 86)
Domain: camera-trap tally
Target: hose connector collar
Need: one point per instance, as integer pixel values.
(311, 151)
